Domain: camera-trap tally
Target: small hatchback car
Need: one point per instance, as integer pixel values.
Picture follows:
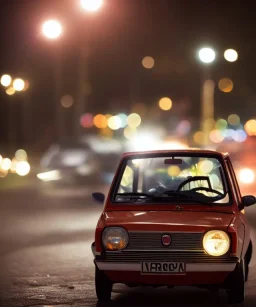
(173, 218)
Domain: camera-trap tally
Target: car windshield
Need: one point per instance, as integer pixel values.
(186, 179)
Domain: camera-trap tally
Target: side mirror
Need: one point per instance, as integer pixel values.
(248, 200)
(99, 197)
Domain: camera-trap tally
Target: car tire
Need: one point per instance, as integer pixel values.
(236, 287)
(103, 286)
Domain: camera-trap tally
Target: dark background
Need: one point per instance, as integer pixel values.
(117, 38)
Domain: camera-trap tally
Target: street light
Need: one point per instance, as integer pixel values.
(206, 55)
(231, 55)
(91, 5)
(6, 80)
(19, 84)
(52, 29)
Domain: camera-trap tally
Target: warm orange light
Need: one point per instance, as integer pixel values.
(10, 91)
(148, 62)
(199, 137)
(225, 85)
(250, 127)
(165, 103)
(100, 121)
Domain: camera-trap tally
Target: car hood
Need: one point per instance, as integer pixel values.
(168, 220)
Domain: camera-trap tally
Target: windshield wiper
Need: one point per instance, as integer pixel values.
(134, 195)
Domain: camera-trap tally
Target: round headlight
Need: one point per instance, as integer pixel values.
(115, 238)
(216, 242)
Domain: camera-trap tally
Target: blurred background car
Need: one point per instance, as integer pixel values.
(80, 161)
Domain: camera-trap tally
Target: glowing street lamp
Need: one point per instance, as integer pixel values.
(91, 5)
(206, 55)
(230, 55)
(19, 84)
(52, 29)
(6, 80)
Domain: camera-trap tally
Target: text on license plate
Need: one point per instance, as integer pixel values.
(163, 268)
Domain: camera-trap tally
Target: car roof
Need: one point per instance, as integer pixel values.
(177, 152)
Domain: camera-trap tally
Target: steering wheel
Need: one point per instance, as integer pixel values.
(207, 190)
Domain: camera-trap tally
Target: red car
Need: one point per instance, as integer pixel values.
(173, 218)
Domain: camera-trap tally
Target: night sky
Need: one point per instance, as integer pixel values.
(117, 38)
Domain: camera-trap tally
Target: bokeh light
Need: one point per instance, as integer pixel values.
(124, 118)
(100, 121)
(230, 55)
(6, 164)
(130, 133)
(21, 155)
(134, 120)
(91, 5)
(234, 119)
(199, 137)
(240, 136)
(114, 123)
(205, 166)
(67, 101)
(10, 91)
(19, 84)
(246, 175)
(52, 29)
(6, 80)
(228, 133)
(216, 136)
(22, 168)
(183, 127)
(13, 165)
(86, 120)
(250, 127)
(148, 62)
(206, 55)
(225, 85)
(173, 170)
(165, 103)
(221, 124)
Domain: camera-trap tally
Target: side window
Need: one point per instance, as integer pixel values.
(233, 180)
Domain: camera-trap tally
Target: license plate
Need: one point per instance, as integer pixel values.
(163, 268)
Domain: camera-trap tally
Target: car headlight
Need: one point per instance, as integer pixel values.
(115, 238)
(216, 242)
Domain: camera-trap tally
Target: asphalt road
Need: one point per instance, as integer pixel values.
(45, 256)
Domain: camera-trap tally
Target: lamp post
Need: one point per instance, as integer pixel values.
(207, 56)
(52, 30)
(91, 6)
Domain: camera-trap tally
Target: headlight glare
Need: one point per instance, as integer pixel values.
(115, 238)
(216, 242)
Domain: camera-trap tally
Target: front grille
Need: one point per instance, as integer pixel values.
(126, 256)
(180, 241)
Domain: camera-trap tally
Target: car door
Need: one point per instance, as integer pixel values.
(243, 225)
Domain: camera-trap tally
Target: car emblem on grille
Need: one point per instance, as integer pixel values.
(166, 240)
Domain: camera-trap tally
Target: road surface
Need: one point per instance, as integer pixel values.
(46, 260)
